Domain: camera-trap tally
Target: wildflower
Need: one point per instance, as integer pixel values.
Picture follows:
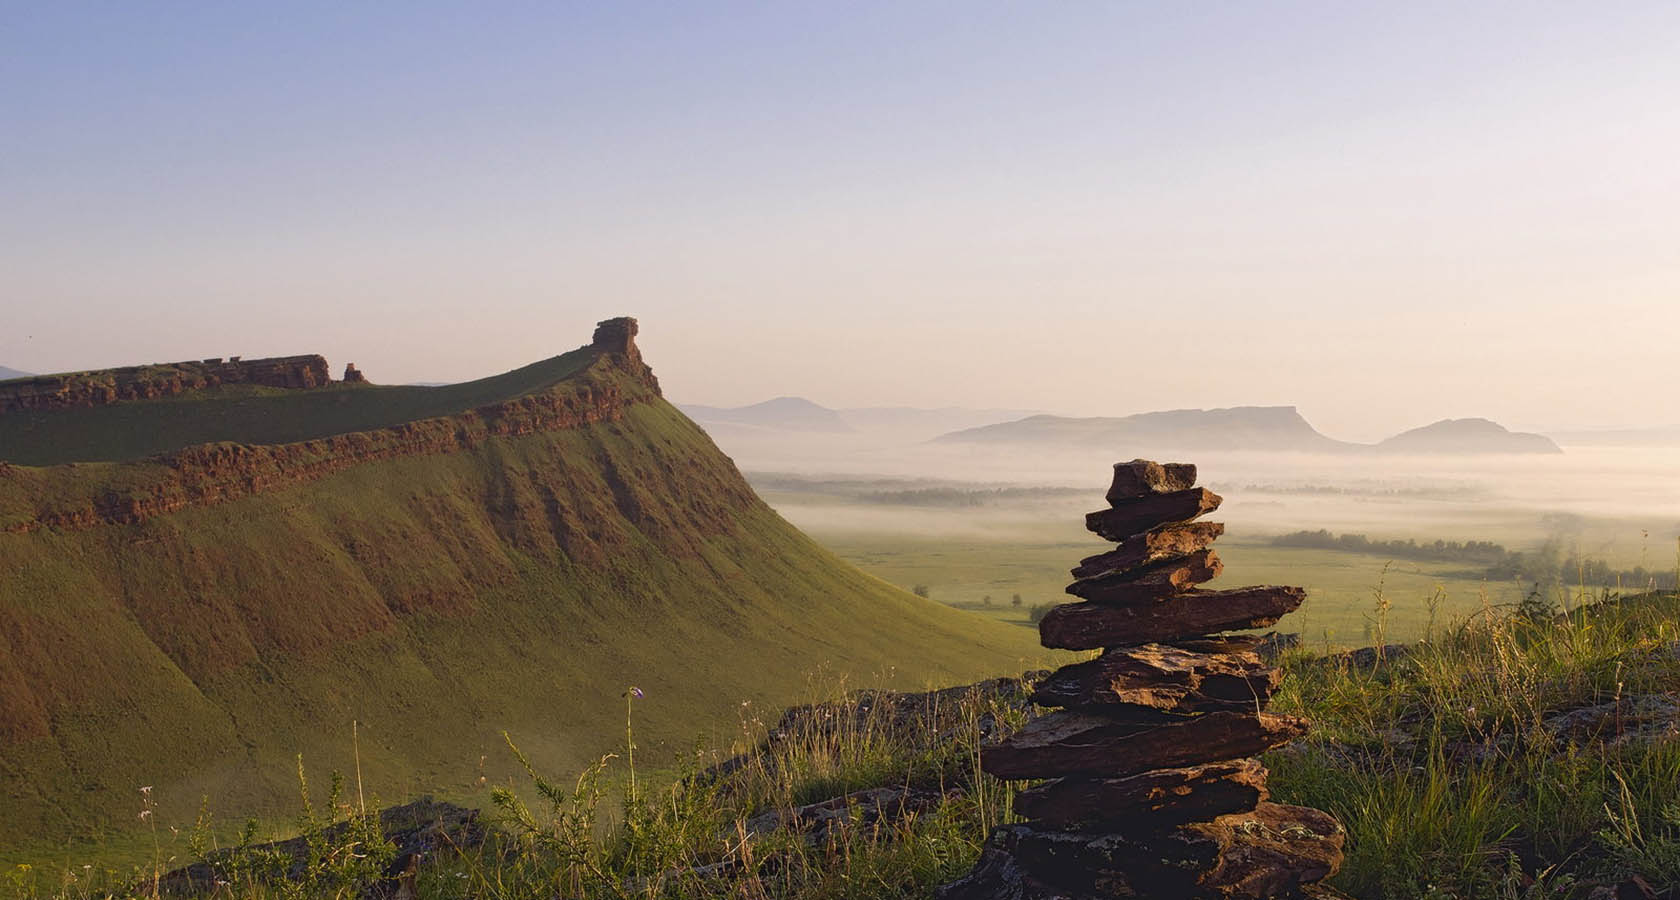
(145, 814)
(146, 791)
(635, 692)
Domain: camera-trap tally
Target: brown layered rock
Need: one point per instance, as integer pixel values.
(1164, 677)
(1167, 542)
(1272, 851)
(1071, 742)
(1161, 797)
(217, 473)
(1137, 516)
(353, 375)
(1142, 477)
(1154, 791)
(1092, 626)
(615, 335)
(73, 390)
(619, 336)
(1149, 584)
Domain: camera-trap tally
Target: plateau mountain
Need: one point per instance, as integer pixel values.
(213, 567)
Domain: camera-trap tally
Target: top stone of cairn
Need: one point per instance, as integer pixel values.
(1142, 477)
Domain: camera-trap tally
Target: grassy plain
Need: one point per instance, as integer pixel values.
(1342, 587)
(980, 556)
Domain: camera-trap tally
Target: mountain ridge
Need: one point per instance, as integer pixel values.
(1274, 428)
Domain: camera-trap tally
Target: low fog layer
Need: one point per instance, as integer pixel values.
(1614, 498)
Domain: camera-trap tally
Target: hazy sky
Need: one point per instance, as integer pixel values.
(1383, 213)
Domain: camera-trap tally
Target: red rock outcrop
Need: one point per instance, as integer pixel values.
(1143, 514)
(1153, 790)
(106, 386)
(216, 473)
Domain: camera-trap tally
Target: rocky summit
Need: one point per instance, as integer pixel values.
(1153, 789)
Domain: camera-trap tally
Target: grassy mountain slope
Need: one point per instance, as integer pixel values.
(516, 579)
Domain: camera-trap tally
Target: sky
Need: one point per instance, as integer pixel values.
(1383, 214)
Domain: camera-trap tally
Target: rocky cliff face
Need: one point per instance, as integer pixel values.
(80, 389)
(216, 473)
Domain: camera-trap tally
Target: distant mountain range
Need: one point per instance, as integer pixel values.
(1237, 428)
(797, 414)
(1276, 428)
(7, 374)
(1247, 428)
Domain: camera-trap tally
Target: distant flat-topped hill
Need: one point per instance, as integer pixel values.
(436, 564)
(1467, 436)
(1237, 428)
(1268, 428)
(8, 374)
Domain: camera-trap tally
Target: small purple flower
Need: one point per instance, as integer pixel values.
(636, 692)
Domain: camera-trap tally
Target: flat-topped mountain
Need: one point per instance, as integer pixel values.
(1467, 436)
(8, 374)
(248, 569)
(1236, 428)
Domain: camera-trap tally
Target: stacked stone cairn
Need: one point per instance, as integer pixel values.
(1152, 787)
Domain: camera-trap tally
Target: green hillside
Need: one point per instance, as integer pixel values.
(522, 580)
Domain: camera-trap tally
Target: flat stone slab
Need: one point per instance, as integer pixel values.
(1157, 798)
(1164, 677)
(1150, 584)
(1069, 742)
(1271, 852)
(1145, 513)
(1092, 626)
(1164, 543)
(1142, 477)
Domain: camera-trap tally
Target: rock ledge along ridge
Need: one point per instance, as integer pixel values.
(1152, 787)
